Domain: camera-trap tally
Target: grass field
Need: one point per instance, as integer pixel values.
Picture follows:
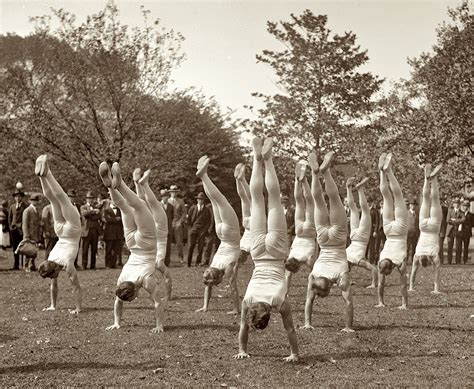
(429, 344)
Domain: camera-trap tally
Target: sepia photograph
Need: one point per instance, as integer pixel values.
(236, 193)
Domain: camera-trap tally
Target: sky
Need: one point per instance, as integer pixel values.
(223, 37)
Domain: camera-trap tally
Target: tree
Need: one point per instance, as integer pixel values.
(78, 92)
(428, 119)
(99, 91)
(324, 100)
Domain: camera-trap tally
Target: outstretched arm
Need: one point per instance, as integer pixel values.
(308, 307)
(234, 293)
(243, 334)
(287, 318)
(347, 296)
(403, 285)
(207, 298)
(118, 309)
(54, 295)
(151, 286)
(72, 273)
(380, 290)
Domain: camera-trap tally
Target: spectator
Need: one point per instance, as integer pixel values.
(198, 223)
(179, 219)
(113, 236)
(413, 230)
(454, 219)
(442, 231)
(4, 230)
(15, 219)
(371, 253)
(212, 242)
(49, 235)
(290, 218)
(101, 205)
(31, 227)
(463, 233)
(90, 215)
(71, 193)
(164, 194)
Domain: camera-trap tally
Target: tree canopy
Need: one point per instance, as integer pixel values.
(99, 90)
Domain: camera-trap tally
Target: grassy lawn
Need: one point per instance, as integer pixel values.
(429, 344)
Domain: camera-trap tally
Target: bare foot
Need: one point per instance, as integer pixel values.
(326, 162)
(436, 170)
(350, 182)
(137, 174)
(239, 171)
(41, 166)
(202, 166)
(388, 161)
(233, 312)
(427, 171)
(267, 148)
(364, 181)
(116, 177)
(145, 177)
(382, 160)
(257, 145)
(104, 173)
(300, 170)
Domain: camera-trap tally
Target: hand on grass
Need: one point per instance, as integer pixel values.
(307, 327)
(348, 330)
(380, 305)
(292, 358)
(75, 311)
(157, 330)
(233, 312)
(241, 355)
(50, 308)
(437, 292)
(201, 310)
(403, 306)
(113, 327)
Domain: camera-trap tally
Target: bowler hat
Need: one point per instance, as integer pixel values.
(89, 195)
(174, 188)
(466, 202)
(284, 198)
(201, 196)
(164, 192)
(35, 197)
(71, 193)
(18, 193)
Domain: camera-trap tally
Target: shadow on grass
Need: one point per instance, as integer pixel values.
(417, 327)
(176, 298)
(213, 326)
(44, 366)
(454, 306)
(7, 338)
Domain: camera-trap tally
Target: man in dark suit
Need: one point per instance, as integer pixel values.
(463, 233)
(442, 230)
(454, 218)
(199, 218)
(164, 194)
(375, 218)
(113, 235)
(212, 242)
(31, 227)
(90, 216)
(71, 193)
(290, 218)
(413, 230)
(15, 221)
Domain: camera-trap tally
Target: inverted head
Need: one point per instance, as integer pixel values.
(213, 276)
(386, 266)
(292, 265)
(49, 269)
(126, 291)
(258, 315)
(321, 286)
